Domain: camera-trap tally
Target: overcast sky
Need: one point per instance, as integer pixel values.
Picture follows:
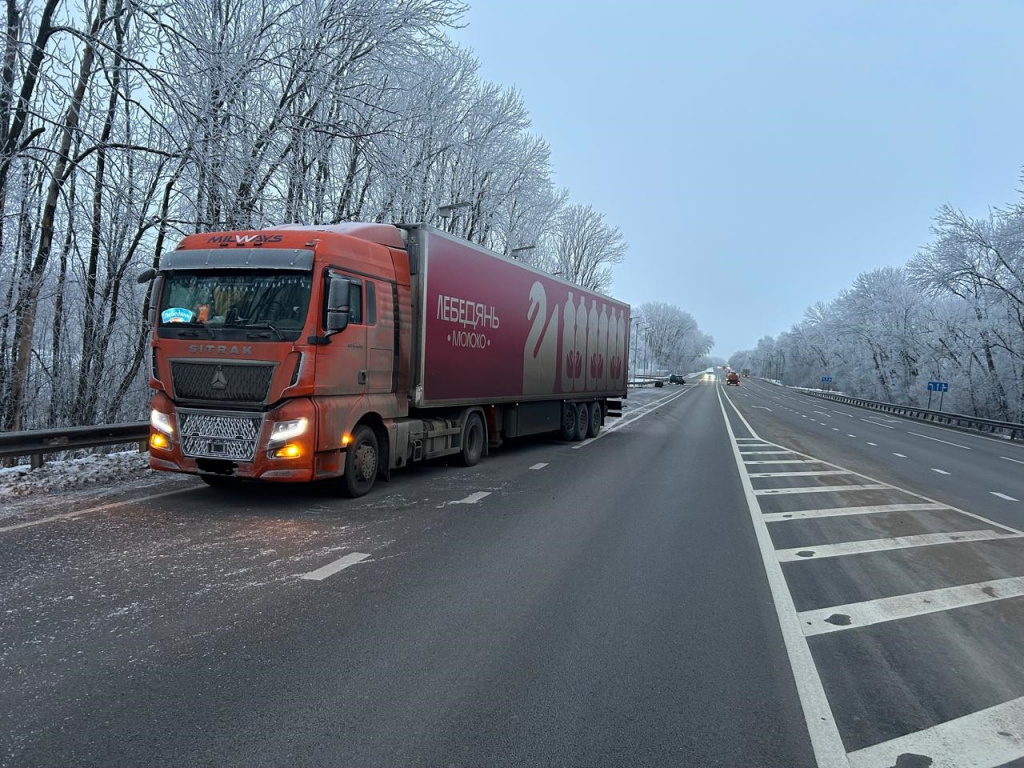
(759, 155)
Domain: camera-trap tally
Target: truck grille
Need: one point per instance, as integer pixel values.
(219, 436)
(224, 382)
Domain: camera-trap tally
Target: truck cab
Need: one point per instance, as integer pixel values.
(266, 345)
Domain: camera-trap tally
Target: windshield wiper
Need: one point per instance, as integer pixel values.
(268, 325)
(195, 324)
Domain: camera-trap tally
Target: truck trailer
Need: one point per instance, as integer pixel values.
(343, 352)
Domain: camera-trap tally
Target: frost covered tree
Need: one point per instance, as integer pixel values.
(671, 338)
(125, 125)
(955, 313)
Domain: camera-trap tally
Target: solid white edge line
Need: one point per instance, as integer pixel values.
(935, 439)
(332, 568)
(823, 551)
(875, 423)
(984, 739)
(897, 607)
(101, 508)
(644, 410)
(826, 742)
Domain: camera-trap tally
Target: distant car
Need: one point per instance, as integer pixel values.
(732, 378)
(675, 378)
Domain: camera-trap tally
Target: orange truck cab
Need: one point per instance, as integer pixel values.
(342, 352)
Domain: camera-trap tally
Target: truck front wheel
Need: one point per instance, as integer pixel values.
(361, 459)
(472, 441)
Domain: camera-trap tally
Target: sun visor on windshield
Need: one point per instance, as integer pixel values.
(238, 258)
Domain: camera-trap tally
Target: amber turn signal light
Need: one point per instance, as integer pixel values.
(156, 440)
(290, 451)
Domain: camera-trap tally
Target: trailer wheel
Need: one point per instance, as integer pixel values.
(595, 420)
(569, 421)
(582, 421)
(472, 441)
(361, 460)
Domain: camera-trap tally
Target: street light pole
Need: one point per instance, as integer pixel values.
(646, 346)
(636, 347)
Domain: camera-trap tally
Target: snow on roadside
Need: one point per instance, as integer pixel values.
(95, 469)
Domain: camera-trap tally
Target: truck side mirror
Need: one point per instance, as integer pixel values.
(146, 275)
(338, 307)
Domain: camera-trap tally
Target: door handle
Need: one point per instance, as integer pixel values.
(362, 377)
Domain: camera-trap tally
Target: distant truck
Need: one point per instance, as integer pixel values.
(343, 352)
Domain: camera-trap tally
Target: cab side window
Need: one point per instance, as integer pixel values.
(355, 303)
(371, 303)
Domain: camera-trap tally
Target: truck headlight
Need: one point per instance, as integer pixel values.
(161, 422)
(287, 430)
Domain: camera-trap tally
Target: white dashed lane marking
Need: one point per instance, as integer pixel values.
(1015, 461)
(539, 465)
(332, 568)
(1002, 496)
(473, 498)
(940, 471)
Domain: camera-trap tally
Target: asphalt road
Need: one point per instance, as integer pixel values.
(975, 472)
(696, 587)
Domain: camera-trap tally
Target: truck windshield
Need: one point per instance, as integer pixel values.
(236, 304)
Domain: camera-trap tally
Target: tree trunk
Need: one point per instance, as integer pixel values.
(27, 315)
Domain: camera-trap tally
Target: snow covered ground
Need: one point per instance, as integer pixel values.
(93, 470)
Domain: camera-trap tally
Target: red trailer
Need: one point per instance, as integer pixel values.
(343, 352)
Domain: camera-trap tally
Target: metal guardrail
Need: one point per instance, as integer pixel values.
(1012, 429)
(37, 443)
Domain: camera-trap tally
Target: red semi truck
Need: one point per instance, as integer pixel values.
(342, 352)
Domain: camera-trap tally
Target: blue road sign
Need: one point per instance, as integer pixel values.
(826, 379)
(938, 386)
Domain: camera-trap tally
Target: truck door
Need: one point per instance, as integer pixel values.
(380, 330)
(341, 366)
